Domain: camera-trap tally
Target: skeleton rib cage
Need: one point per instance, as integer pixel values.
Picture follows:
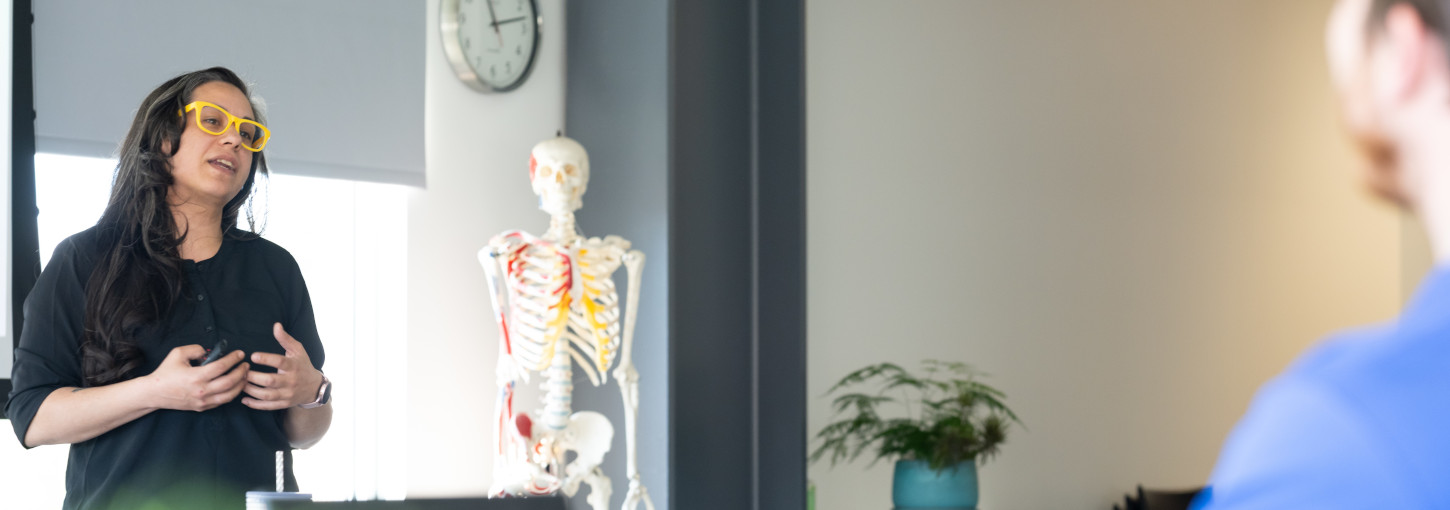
(544, 280)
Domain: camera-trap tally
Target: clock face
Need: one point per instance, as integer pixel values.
(492, 42)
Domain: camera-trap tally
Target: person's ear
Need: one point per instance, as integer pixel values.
(1408, 43)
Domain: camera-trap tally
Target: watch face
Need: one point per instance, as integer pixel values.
(496, 41)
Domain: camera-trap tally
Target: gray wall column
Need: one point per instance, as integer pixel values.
(693, 113)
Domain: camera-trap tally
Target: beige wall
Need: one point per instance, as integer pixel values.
(1417, 257)
(1131, 213)
(477, 159)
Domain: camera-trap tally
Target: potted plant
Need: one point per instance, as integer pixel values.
(951, 422)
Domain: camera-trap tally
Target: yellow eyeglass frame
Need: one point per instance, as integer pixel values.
(232, 121)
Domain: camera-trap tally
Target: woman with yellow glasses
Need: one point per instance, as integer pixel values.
(114, 357)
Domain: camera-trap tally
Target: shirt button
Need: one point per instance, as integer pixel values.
(201, 297)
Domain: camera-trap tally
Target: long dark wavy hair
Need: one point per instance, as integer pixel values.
(138, 276)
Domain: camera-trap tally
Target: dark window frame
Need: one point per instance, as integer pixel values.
(24, 239)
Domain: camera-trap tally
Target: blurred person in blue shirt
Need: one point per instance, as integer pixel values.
(1363, 419)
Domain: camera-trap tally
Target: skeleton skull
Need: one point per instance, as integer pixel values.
(559, 171)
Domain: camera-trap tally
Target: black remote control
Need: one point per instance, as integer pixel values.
(216, 352)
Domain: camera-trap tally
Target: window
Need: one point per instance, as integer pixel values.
(350, 238)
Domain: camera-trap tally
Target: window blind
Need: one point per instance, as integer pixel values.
(342, 80)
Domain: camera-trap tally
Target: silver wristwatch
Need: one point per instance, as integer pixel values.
(324, 395)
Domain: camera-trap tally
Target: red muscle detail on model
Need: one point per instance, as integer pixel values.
(505, 415)
(503, 326)
(525, 425)
(568, 276)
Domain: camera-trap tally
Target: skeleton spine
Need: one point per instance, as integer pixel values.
(561, 388)
(562, 228)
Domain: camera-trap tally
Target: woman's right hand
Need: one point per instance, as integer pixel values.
(178, 385)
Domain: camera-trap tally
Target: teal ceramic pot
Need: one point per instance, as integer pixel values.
(916, 485)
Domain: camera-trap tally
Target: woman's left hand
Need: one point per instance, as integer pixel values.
(296, 381)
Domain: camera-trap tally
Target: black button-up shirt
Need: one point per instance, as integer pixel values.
(179, 459)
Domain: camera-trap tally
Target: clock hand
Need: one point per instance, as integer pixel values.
(510, 20)
(493, 22)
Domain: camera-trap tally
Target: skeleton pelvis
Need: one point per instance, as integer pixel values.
(589, 435)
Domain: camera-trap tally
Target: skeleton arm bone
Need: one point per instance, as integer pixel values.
(507, 372)
(633, 266)
(628, 379)
(489, 257)
(634, 269)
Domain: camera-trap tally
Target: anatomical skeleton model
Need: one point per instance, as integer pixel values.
(556, 305)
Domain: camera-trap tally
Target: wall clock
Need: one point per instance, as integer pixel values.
(491, 44)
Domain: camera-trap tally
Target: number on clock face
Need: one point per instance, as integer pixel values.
(498, 39)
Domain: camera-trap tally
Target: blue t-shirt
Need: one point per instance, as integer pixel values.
(1360, 421)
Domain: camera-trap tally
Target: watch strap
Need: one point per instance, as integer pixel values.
(324, 394)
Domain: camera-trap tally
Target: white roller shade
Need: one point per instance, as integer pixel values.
(342, 80)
